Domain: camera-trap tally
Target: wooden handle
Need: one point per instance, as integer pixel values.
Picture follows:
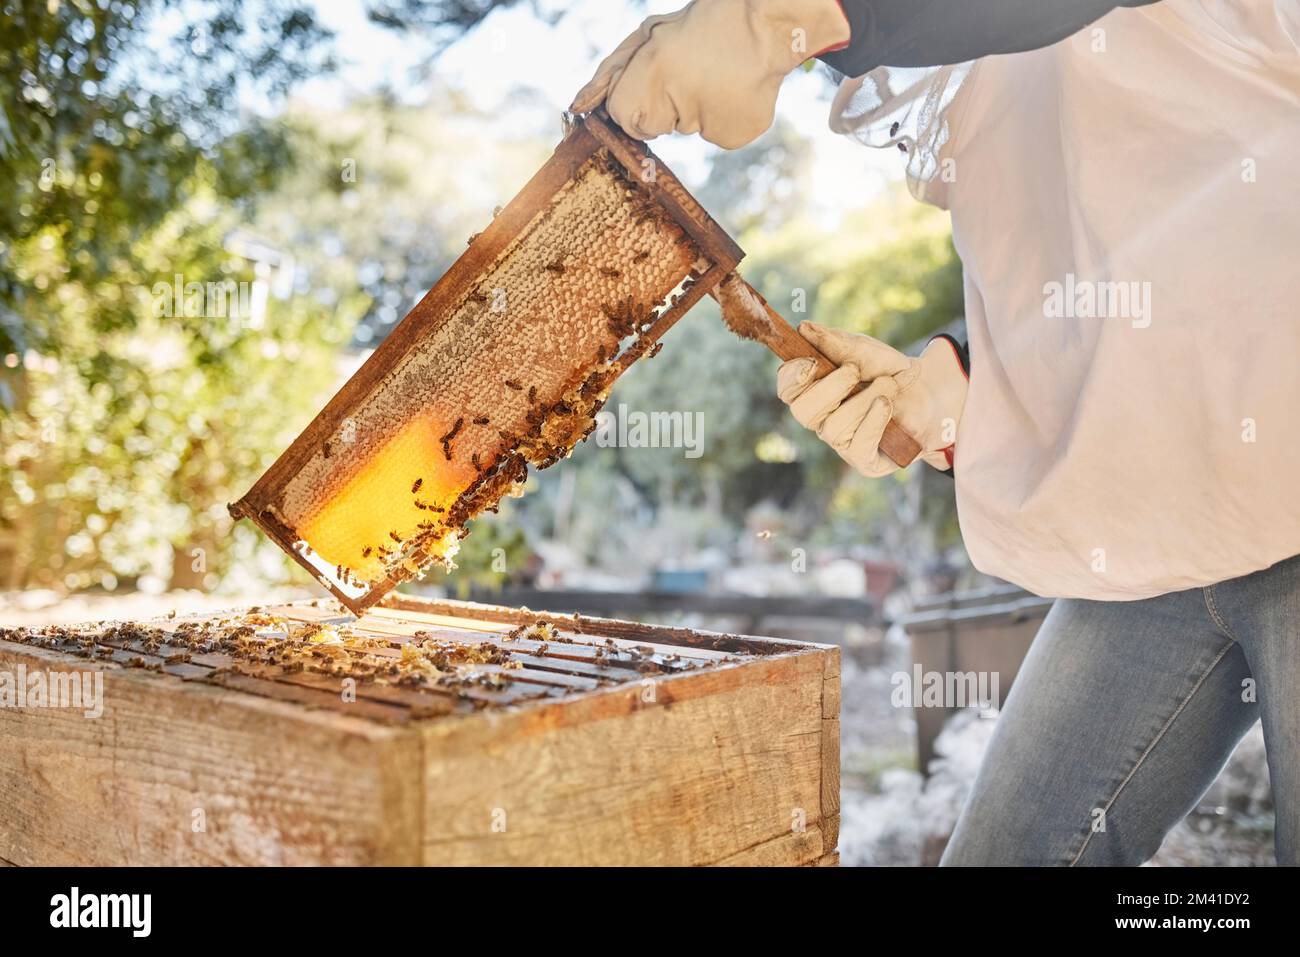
(782, 338)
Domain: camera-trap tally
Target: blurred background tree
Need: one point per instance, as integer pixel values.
(128, 157)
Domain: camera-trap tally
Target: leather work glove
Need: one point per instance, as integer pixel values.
(713, 67)
(924, 396)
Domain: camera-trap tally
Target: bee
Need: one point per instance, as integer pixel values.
(481, 420)
(325, 449)
(642, 256)
(655, 350)
(532, 394)
(395, 537)
(478, 297)
(446, 439)
(366, 552)
(473, 460)
(610, 272)
(512, 384)
(415, 486)
(555, 266)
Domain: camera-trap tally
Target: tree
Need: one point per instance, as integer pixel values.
(128, 417)
(107, 110)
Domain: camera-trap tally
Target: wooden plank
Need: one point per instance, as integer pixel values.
(422, 704)
(681, 638)
(830, 792)
(793, 849)
(715, 762)
(280, 690)
(440, 625)
(269, 782)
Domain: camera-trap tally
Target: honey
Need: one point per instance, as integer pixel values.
(351, 528)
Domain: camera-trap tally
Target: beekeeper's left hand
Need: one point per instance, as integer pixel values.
(714, 67)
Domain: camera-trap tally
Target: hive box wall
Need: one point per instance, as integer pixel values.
(733, 765)
(723, 767)
(269, 782)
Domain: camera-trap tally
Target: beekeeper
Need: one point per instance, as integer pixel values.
(1125, 202)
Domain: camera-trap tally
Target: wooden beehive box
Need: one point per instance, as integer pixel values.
(476, 735)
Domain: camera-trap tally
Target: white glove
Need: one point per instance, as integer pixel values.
(924, 396)
(713, 67)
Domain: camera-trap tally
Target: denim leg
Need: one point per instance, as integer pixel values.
(1121, 716)
(1263, 612)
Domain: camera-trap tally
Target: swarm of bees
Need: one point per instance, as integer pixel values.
(627, 317)
(256, 642)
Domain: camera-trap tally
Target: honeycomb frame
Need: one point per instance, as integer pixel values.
(442, 385)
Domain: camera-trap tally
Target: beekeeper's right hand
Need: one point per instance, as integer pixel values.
(924, 396)
(714, 67)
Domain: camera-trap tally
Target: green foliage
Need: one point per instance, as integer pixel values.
(107, 110)
(380, 201)
(127, 423)
(493, 554)
(127, 445)
(888, 270)
(446, 21)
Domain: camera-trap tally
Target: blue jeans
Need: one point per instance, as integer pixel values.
(1122, 715)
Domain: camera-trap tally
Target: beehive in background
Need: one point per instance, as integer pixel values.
(502, 365)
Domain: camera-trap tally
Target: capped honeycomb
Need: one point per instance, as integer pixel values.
(511, 375)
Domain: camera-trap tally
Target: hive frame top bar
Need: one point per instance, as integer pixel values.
(587, 137)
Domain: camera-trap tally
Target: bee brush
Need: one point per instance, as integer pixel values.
(749, 316)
